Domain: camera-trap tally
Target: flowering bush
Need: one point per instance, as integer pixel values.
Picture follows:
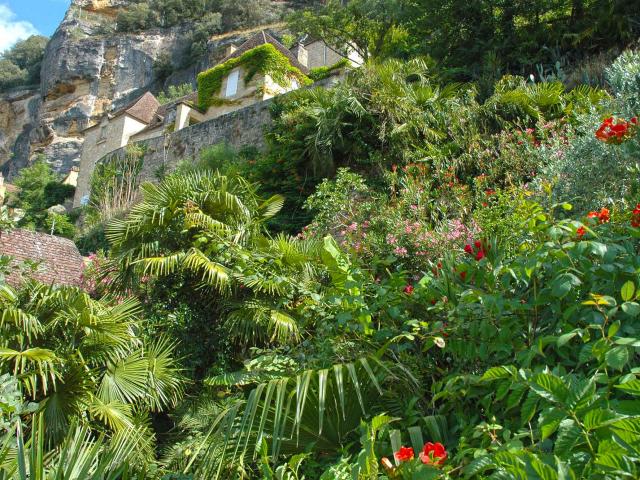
(616, 130)
(600, 168)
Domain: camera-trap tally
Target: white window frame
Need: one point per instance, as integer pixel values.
(232, 83)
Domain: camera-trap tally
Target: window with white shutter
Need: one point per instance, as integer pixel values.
(232, 83)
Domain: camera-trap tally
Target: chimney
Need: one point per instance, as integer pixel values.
(302, 54)
(230, 49)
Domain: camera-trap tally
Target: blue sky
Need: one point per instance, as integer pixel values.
(21, 18)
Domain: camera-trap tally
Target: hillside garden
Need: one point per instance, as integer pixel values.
(420, 278)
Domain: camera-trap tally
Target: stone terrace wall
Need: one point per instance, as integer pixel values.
(242, 128)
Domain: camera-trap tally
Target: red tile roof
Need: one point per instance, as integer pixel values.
(143, 109)
(59, 260)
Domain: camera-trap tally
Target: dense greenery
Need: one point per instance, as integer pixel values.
(39, 189)
(481, 40)
(417, 279)
(144, 14)
(20, 65)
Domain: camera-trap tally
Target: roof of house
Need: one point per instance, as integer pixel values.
(143, 109)
(262, 38)
(59, 260)
(11, 188)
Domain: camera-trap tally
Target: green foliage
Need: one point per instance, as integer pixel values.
(175, 92)
(115, 182)
(163, 68)
(57, 224)
(20, 65)
(136, 17)
(262, 60)
(320, 73)
(82, 358)
(208, 25)
(371, 28)
(40, 189)
(56, 193)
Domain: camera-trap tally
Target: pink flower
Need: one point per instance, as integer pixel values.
(401, 251)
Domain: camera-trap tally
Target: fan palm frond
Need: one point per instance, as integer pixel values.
(323, 407)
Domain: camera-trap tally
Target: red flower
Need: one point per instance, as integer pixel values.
(408, 289)
(635, 216)
(603, 215)
(581, 231)
(480, 255)
(489, 192)
(404, 454)
(468, 249)
(616, 131)
(463, 275)
(478, 244)
(433, 454)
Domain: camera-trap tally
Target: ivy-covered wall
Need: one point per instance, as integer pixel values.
(264, 60)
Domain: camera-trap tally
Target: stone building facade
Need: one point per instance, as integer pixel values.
(180, 130)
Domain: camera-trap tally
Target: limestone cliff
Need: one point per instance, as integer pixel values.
(89, 69)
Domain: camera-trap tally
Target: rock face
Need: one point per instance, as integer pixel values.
(88, 69)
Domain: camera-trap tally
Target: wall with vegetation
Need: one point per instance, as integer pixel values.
(242, 128)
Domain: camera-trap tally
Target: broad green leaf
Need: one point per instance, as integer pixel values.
(632, 387)
(549, 421)
(631, 308)
(598, 418)
(550, 387)
(627, 291)
(496, 373)
(617, 357)
(569, 436)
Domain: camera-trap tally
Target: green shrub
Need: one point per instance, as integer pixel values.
(174, 92)
(61, 225)
(56, 193)
(319, 73)
(20, 65)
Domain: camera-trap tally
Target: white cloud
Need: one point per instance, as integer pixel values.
(12, 30)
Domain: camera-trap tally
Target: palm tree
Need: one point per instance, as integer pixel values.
(81, 358)
(321, 408)
(181, 219)
(210, 228)
(80, 455)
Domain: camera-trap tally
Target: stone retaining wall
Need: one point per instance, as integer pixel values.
(244, 127)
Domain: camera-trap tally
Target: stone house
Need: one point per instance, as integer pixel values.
(110, 133)
(146, 119)
(314, 53)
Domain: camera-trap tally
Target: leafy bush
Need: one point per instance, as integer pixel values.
(174, 92)
(20, 65)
